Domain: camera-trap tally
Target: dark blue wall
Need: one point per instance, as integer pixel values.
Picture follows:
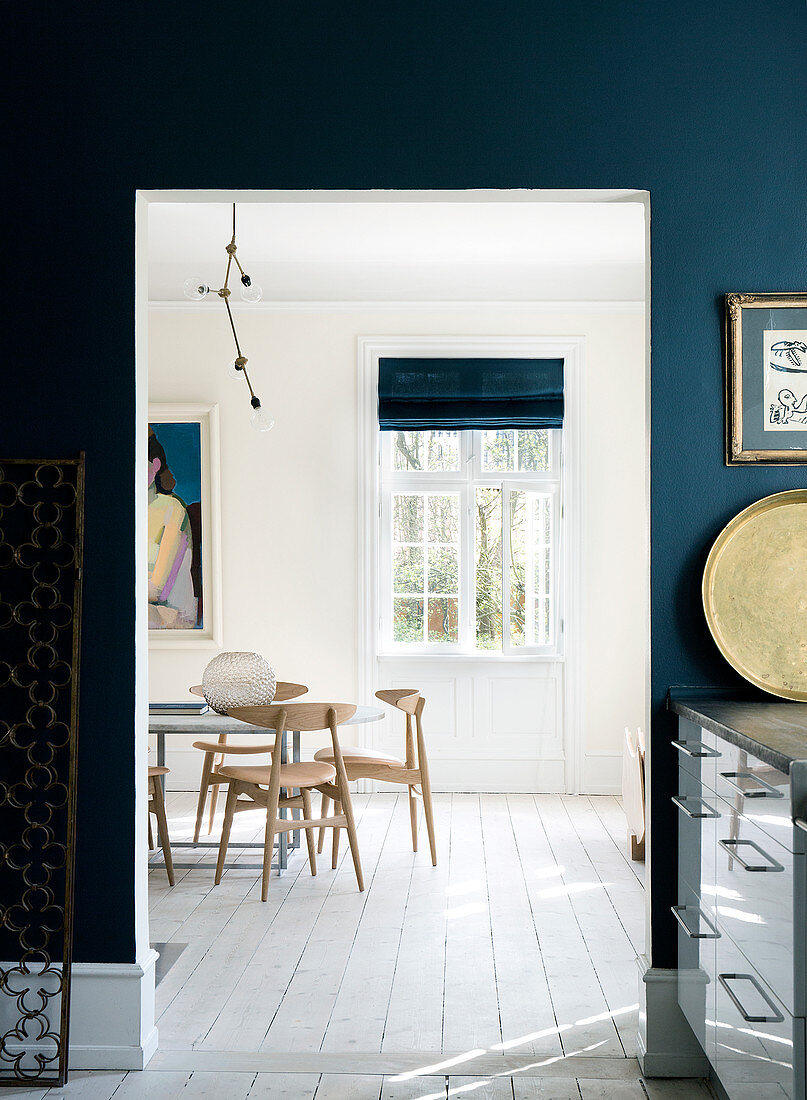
(702, 103)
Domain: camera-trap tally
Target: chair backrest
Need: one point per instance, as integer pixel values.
(405, 699)
(283, 690)
(299, 716)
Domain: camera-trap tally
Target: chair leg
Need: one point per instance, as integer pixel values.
(323, 813)
(426, 791)
(204, 783)
(229, 814)
(269, 840)
(309, 833)
(162, 826)
(151, 834)
(347, 810)
(337, 809)
(213, 801)
(413, 817)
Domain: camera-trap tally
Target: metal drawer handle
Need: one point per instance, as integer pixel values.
(732, 846)
(724, 980)
(677, 910)
(765, 789)
(682, 800)
(703, 750)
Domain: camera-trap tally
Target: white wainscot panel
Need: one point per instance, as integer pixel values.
(522, 706)
(489, 726)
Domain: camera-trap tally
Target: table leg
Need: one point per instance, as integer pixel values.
(295, 755)
(283, 839)
(160, 764)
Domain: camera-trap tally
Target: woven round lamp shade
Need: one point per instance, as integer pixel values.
(238, 680)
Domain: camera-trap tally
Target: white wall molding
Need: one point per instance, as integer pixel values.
(111, 1014)
(571, 349)
(429, 306)
(666, 1046)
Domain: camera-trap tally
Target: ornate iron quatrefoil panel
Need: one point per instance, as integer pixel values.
(41, 541)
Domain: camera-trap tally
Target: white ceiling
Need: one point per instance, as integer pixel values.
(408, 251)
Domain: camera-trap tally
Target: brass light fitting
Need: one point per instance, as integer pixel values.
(195, 289)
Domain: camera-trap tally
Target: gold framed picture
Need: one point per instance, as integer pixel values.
(766, 379)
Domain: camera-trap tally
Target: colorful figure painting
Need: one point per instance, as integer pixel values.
(175, 527)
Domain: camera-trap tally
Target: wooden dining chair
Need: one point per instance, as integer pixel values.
(413, 771)
(156, 806)
(261, 785)
(215, 752)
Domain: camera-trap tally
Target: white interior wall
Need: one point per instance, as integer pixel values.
(289, 497)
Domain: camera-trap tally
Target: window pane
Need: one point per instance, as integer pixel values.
(542, 528)
(407, 620)
(407, 518)
(408, 569)
(533, 449)
(543, 632)
(433, 451)
(488, 520)
(518, 568)
(443, 619)
(498, 450)
(444, 518)
(443, 570)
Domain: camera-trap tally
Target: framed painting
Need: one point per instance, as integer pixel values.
(184, 581)
(766, 379)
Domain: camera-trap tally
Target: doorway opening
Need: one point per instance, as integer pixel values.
(459, 970)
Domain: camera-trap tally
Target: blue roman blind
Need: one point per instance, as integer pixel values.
(469, 393)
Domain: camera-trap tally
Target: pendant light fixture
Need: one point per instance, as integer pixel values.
(197, 289)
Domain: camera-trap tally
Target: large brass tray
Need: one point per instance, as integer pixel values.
(755, 593)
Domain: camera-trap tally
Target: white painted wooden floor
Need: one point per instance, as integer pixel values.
(506, 973)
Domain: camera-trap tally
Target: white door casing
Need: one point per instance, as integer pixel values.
(493, 722)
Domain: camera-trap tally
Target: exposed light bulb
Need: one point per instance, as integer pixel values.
(195, 289)
(233, 370)
(251, 292)
(260, 420)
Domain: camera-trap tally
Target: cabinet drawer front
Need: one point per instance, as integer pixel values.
(754, 1034)
(698, 821)
(697, 752)
(753, 899)
(697, 938)
(757, 791)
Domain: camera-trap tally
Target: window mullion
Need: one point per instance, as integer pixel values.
(529, 569)
(506, 648)
(467, 570)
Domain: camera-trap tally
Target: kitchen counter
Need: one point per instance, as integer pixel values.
(775, 730)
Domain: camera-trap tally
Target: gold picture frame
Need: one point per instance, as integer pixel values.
(766, 379)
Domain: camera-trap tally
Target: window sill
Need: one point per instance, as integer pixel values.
(483, 656)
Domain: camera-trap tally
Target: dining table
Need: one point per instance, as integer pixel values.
(210, 725)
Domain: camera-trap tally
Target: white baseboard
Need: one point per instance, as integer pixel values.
(492, 776)
(665, 1044)
(111, 1014)
(602, 773)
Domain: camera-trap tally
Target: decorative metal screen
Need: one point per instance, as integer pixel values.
(41, 520)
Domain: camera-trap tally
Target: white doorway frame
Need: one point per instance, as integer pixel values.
(142, 200)
(571, 350)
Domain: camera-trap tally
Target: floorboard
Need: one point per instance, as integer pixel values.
(505, 973)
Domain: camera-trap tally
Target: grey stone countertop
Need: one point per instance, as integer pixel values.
(774, 731)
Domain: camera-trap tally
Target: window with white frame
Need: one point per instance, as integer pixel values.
(469, 541)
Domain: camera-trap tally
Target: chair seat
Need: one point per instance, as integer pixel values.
(291, 775)
(358, 756)
(214, 746)
(153, 770)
